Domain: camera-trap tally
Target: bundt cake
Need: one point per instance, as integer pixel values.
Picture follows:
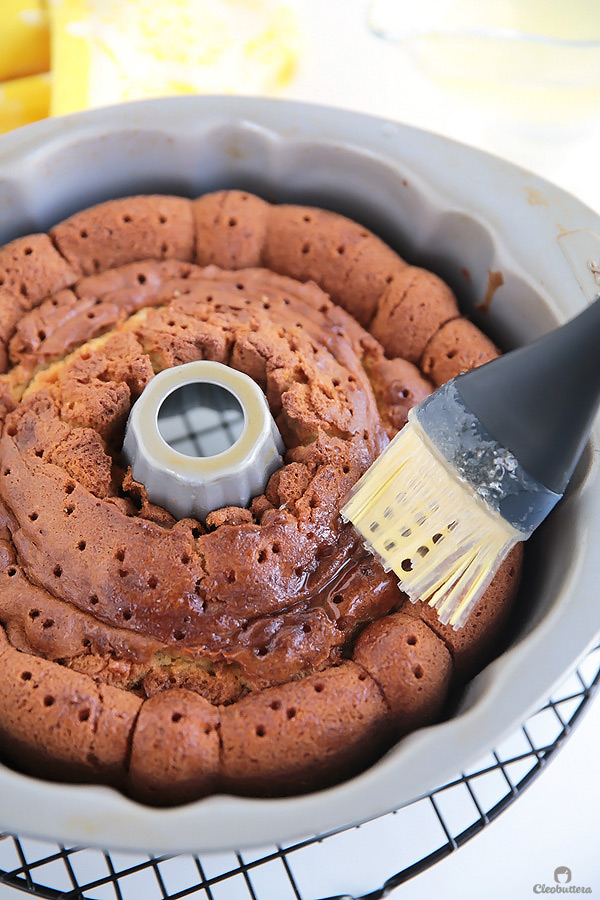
(261, 651)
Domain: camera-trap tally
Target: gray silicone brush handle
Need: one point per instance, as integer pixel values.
(493, 472)
(539, 401)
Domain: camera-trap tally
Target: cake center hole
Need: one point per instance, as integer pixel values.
(201, 419)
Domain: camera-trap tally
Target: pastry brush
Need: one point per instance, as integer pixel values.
(480, 464)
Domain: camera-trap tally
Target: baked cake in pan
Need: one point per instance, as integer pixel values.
(262, 651)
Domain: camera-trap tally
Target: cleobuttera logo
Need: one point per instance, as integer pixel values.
(562, 876)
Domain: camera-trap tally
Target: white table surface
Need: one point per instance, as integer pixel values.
(557, 820)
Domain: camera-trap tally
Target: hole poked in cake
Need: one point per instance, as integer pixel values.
(272, 742)
(127, 230)
(188, 762)
(411, 665)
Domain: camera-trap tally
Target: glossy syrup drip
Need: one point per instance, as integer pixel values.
(321, 596)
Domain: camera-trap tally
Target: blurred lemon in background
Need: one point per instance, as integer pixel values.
(24, 100)
(24, 54)
(106, 51)
(98, 52)
(24, 38)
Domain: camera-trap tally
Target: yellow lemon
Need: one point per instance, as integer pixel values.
(24, 38)
(24, 100)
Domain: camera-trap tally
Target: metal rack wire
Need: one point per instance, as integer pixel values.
(401, 844)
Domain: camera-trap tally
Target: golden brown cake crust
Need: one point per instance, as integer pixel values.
(264, 644)
(153, 227)
(175, 750)
(31, 268)
(61, 724)
(410, 664)
(329, 722)
(411, 311)
(456, 347)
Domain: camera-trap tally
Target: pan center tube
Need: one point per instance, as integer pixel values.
(200, 437)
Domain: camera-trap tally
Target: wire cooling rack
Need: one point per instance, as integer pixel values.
(399, 845)
(200, 419)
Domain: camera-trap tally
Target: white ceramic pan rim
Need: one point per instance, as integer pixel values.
(465, 213)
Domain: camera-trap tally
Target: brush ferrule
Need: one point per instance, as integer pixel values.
(491, 470)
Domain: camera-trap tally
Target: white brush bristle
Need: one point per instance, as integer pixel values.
(428, 526)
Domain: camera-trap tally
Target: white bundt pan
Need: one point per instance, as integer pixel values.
(459, 211)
